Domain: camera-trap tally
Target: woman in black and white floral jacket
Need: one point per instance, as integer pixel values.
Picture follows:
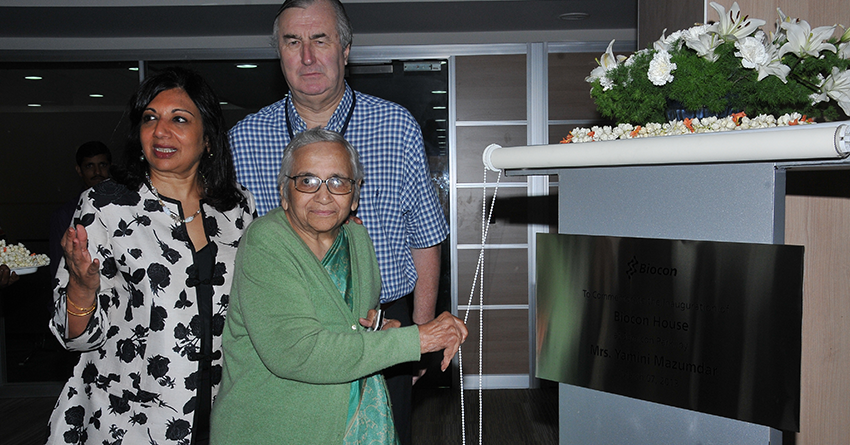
(144, 285)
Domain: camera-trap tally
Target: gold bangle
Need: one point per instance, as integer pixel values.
(84, 309)
(80, 314)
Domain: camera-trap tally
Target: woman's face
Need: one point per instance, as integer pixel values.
(314, 214)
(172, 134)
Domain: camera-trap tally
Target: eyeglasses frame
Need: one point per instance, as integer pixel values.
(323, 181)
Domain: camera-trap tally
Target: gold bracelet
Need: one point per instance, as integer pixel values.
(80, 314)
(84, 309)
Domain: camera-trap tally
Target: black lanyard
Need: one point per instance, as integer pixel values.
(344, 125)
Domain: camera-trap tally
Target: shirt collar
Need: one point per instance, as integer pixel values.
(337, 120)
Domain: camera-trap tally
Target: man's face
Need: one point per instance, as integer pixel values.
(94, 170)
(312, 60)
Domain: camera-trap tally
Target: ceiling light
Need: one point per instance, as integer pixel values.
(32, 77)
(95, 95)
(246, 65)
(569, 16)
(134, 68)
(33, 105)
(439, 92)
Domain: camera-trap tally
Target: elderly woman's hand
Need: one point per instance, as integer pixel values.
(388, 323)
(446, 333)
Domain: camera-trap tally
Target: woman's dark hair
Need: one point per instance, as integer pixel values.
(216, 168)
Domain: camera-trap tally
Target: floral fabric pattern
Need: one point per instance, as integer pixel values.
(136, 381)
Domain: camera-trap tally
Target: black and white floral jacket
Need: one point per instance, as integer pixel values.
(136, 379)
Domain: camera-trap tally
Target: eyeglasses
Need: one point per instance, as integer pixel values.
(311, 184)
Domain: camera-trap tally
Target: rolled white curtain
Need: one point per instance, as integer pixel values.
(799, 142)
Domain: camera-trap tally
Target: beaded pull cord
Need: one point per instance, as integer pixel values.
(175, 217)
(479, 274)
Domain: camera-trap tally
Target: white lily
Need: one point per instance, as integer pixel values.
(845, 37)
(732, 26)
(844, 50)
(780, 32)
(844, 45)
(703, 43)
(666, 43)
(756, 54)
(836, 86)
(803, 40)
(606, 63)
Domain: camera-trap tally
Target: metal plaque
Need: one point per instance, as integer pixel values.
(713, 327)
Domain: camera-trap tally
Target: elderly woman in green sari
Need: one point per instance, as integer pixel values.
(300, 362)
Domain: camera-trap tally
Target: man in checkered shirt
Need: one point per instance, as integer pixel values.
(398, 204)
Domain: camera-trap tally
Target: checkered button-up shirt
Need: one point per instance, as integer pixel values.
(398, 204)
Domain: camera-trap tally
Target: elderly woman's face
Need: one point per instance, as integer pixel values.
(172, 133)
(320, 212)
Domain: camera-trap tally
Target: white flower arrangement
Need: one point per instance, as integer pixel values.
(729, 66)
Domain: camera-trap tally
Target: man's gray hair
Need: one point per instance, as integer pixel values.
(313, 136)
(343, 25)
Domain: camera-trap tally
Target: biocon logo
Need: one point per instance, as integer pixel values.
(636, 267)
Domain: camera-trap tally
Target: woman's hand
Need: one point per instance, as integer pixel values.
(84, 274)
(446, 333)
(369, 321)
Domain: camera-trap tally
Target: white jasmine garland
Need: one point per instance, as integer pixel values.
(706, 125)
(660, 68)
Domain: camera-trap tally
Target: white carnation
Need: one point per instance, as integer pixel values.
(660, 68)
(752, 52)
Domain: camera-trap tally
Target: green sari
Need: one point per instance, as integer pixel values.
(370, 417)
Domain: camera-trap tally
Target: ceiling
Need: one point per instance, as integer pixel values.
(33, 25)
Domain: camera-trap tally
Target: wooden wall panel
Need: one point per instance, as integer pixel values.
(505, 276)
(820, 224)
(505, 343)
(569, 93)
(502, 230)
(491, 88)
(656, 15)
(471, 142)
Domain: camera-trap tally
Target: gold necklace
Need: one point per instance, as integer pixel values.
(175, 217)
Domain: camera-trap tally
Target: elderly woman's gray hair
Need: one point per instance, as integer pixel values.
(313, 136)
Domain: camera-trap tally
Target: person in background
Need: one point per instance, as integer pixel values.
(299, 365)
(143, 287)
(7, 277)
(398, 204)
(93, 162)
